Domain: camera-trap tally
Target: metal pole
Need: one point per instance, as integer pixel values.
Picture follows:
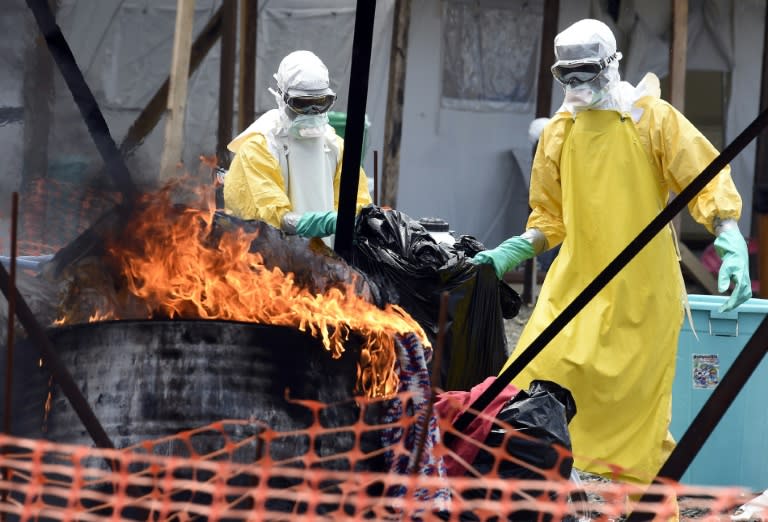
(353, 134)
(5, 473)
(60, 373)
(375, 177)
(11, 314)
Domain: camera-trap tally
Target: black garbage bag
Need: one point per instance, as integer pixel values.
(543, 413)
(411, 269)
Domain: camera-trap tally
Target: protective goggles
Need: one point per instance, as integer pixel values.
(310, 104)
(576, 72)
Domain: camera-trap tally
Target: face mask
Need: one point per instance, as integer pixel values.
(586, 94)
(580, 96)
(308, 125)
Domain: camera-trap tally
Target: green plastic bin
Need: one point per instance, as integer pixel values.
(338, 121)
(736, 453)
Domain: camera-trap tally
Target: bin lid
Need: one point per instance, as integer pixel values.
(434, 224)
(713, 303)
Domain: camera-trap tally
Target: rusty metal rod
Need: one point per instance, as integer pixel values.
(437, 357)
(11, 314)
(5, 473)
(375, 177)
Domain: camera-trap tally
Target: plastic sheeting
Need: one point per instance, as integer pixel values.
(491, 54)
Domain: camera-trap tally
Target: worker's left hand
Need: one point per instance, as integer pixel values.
(732, 249)
(316, 224)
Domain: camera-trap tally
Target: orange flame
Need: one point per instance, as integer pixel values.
(168, 263)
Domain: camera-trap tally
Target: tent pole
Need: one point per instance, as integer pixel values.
(761, 177)
(154, 110)
(543, 110)
(226, 79)
(246, 101)
(393, 124)
(677, 68)
(177, 90)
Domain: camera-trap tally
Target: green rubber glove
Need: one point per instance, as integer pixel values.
(316, 224)
(732, 249)
(506, 256)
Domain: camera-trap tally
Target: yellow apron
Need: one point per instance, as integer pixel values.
(617, 356)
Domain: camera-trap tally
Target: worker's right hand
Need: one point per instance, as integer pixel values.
(506, 256)
(732, 249)
(310, 224)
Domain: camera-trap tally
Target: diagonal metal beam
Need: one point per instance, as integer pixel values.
(362, 41)
(83, 96)
(60, 373)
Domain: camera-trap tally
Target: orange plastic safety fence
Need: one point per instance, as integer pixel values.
(242, 470)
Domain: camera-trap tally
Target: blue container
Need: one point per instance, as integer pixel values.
(736, 453)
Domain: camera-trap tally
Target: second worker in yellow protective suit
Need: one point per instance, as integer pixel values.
(287, 164)
(603, 169)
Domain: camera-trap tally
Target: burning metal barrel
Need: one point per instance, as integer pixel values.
(151, 379)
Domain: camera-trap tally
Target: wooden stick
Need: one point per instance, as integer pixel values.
(678, 54)
(375, 177)
(150, 116)
(227, 80)
(177, 89)
(543, 110)
(393, 124)
(246, 101)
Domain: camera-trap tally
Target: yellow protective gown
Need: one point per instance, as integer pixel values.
(254, 186)
(598, 179)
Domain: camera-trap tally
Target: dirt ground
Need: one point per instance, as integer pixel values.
(513, 327)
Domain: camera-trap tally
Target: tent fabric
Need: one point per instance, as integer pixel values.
(124, 48)
(466, 166)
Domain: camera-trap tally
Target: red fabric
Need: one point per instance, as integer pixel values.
(451, 404)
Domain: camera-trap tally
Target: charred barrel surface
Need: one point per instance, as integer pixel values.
(151, 379)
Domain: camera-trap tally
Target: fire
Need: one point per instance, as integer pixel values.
(170, 263)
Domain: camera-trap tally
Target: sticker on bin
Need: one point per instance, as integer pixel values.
(706, 371)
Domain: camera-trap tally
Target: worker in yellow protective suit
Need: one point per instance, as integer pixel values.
(603, 169)
(287, 164)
